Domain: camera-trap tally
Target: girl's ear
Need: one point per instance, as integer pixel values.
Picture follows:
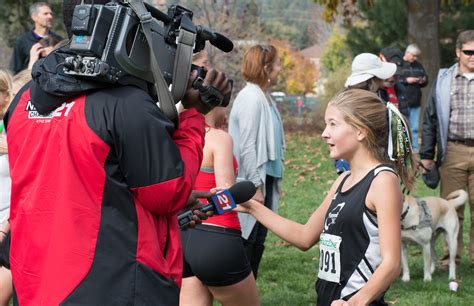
(361, 134)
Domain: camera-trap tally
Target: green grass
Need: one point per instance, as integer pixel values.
(287, 275)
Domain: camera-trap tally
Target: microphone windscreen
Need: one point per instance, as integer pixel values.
(242, 191)
(222, 42)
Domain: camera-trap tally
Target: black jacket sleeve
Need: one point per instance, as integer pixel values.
(402, 99)
(158, 163)
(430, 127)
(425, 82)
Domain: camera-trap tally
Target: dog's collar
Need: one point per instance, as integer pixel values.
(411, 228)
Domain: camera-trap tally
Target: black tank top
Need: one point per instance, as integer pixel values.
(349, 244)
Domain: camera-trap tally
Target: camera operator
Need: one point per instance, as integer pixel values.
(98, 176)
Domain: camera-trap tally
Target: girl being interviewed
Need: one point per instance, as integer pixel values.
(358, 223)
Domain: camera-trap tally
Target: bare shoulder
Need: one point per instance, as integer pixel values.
(385, 188)
(384, 178)
(218, 138)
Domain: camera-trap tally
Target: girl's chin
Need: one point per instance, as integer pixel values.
(334, 155)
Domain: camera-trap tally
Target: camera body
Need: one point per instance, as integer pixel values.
(110, 42)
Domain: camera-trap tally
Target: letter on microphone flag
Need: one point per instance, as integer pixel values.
(224, 201)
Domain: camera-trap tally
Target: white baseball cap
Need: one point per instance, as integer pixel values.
(367, 65)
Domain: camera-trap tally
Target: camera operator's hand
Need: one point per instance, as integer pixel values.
(214, 78)
(198, 216)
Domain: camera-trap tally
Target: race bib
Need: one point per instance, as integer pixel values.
(330, 258)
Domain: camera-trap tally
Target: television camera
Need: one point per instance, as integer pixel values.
(131, 37)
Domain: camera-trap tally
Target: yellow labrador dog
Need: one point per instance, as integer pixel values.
(421, 219)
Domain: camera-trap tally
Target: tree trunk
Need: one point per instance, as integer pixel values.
(423, 25)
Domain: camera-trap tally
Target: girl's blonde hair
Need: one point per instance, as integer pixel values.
(365, 111)
(5, 81)
(5, 87)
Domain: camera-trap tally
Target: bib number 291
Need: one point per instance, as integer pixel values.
(330, 258)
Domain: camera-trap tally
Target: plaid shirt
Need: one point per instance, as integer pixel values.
(461, 119)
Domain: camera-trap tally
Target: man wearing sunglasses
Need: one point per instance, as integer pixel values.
(448, 129)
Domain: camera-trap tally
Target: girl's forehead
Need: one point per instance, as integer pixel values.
(333, 111)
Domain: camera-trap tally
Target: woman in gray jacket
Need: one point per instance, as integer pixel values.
(256, 128)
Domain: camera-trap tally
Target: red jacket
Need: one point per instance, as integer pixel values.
(96, 185)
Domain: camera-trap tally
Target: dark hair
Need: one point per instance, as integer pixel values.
(372, 84)
(464, 37)
(49, 41)
(392, 55)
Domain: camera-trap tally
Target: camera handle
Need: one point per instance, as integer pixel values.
(185, 39)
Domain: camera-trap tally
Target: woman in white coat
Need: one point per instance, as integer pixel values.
(257, 131)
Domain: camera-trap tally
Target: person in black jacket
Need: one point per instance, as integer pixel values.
(393, 90)
(42, 16)
(414, 77)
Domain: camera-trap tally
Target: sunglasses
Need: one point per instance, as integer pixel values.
(468, 52)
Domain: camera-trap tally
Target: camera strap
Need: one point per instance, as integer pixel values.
(183, 58)
(165, 97)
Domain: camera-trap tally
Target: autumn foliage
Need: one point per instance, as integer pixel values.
(298, 75)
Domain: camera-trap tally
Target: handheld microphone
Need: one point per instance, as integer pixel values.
(221, 202)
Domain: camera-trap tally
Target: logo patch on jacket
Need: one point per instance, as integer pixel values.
(61, 111)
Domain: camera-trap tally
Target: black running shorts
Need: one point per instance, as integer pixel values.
(215, 255)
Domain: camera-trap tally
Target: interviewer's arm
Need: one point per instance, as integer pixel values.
(303, 236)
